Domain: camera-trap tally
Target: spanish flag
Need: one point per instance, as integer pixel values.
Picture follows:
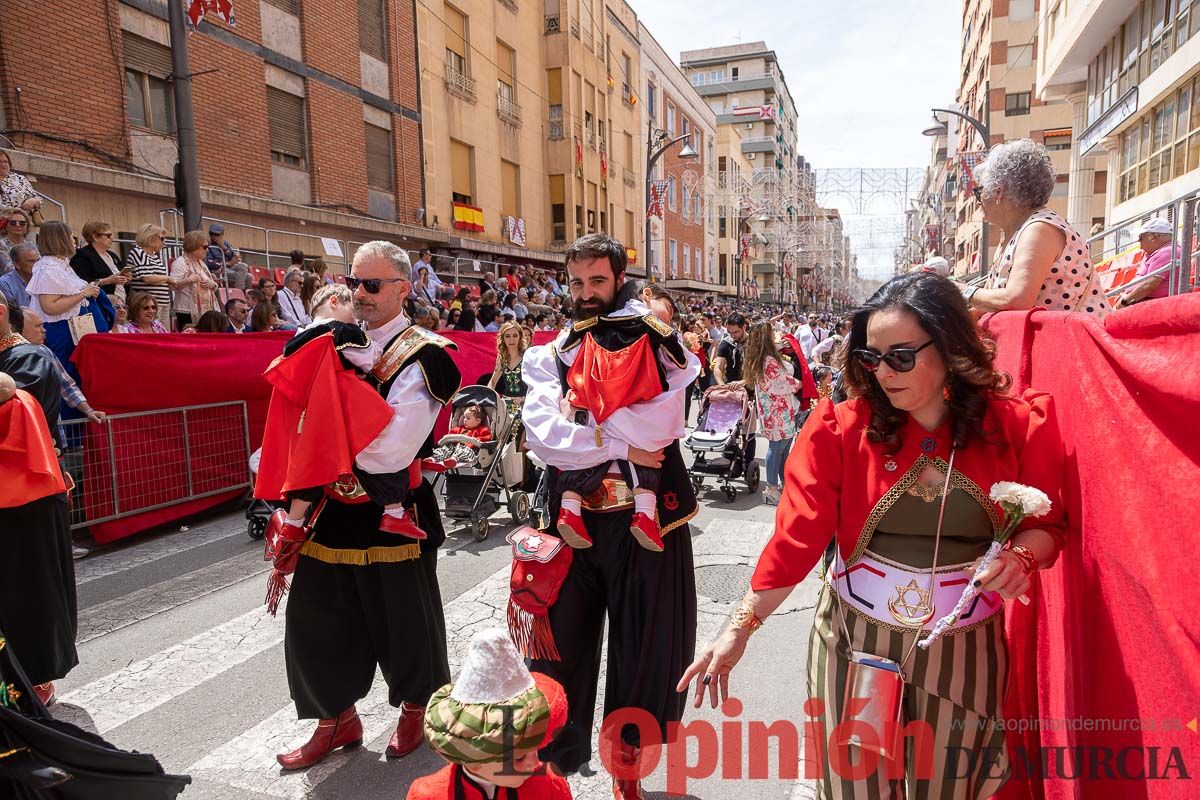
(468, 218)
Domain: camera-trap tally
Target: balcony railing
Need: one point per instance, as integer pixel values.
(630, 178)
(460, 84)
(627, 94)
(553, 23)
(765, 175)
(508, 110)
(575, 28)
(706, 79)
(556, 123)
(511, 5)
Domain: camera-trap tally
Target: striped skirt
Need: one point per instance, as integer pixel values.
(955, 688)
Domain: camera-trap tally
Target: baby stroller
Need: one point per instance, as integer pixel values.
(258, 513)
(723, 441)
(477, 474)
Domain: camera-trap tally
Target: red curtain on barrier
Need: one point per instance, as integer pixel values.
(129, 373)
(1113, 635)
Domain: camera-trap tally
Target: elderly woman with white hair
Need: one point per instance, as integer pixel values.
(1044, 262)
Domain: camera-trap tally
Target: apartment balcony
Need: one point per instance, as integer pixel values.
(707, 86)
(764, 268)
(630, 178)
(507, 110)
(759, 144)
(556, 131)
(460, 84)
(627, 95)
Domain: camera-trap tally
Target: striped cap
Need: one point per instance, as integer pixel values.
(478, 733)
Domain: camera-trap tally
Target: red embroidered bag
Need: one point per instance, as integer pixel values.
(540, 565)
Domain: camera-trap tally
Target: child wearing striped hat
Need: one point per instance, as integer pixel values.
(489, 726)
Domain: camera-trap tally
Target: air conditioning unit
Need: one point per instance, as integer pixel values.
(751, 156)
(749, 126)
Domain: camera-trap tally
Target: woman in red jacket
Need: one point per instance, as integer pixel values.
(928, 411)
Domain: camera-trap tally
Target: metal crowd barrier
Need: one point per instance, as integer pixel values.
(148, 460)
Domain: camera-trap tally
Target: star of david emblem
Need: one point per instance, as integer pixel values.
(905, 610)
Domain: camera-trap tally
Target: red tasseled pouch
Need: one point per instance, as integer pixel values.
(540, 565)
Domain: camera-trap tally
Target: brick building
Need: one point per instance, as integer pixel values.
(307, 117)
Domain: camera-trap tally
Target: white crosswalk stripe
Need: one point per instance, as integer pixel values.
(244, 766)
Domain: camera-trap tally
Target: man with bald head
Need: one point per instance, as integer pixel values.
(361, 597)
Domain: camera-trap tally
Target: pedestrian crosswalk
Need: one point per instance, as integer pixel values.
(181, 690)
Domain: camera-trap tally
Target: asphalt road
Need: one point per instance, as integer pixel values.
(179, 658)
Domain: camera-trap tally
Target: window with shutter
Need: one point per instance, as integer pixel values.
(290, 6)
(285, 117)
(510, 189)
(462, 179)
(372, 28)
(379, 159)
(147, 82)
(456, 41)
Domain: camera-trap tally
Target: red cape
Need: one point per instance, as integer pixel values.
(808, 384)
(321, 416)
(27, 458)
(603, 381)
(440, 786)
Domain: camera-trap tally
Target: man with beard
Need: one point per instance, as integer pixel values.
(360, 598)
(649, 597)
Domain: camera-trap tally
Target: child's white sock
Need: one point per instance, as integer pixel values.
(574, 506)
(396, 510)
(644, 502)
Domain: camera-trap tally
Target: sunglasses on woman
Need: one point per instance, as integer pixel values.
(902, 359)
(372, 285)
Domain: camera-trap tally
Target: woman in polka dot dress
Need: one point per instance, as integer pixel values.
(1045, 262)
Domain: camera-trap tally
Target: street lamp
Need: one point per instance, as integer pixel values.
(939, 127)
(658, 139)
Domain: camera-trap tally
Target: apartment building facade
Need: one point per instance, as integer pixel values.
(683, 242)
(745, 87)
(307, 118)
(736, 246)
(1130, 71)
(998, 85)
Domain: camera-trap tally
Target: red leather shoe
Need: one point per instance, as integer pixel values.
(410, 731)
(45, 693)
(403, 526)
(645, 530)
(572, 530)
(343, 731)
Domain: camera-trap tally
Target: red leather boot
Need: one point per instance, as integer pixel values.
(410, 731)
(45, 693)
(628, 756)
(345, 730)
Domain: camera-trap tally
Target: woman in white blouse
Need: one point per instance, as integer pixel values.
(194, 284)
(60, 295)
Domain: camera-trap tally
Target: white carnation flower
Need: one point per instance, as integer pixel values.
(1032, 502)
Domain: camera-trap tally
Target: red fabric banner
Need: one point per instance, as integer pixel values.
(1112, 634)
(130, 373)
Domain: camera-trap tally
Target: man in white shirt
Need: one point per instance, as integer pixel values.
(806, 338)
(425, 259)
(362, 598)
(290, 304)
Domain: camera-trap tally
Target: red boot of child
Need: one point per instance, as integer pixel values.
(572, 530)
(402, 526)
(645, 530)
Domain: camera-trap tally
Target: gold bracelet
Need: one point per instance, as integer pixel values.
(744, 617)
(1028, 559)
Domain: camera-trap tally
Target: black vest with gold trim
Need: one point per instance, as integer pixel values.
(430, 353)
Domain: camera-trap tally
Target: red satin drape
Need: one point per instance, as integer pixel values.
(131, 372)
(1112, 634)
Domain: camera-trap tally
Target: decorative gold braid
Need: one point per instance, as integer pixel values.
(12, 340)
(13, 752)
(957, 480)
(361, 558)
(679, 522)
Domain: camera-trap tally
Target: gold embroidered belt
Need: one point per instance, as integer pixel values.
(613, 495)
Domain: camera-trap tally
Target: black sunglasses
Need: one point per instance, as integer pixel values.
(902, 359)
(372, 285)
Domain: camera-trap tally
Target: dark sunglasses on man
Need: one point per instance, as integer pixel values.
(902, 359)
(372, 285)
